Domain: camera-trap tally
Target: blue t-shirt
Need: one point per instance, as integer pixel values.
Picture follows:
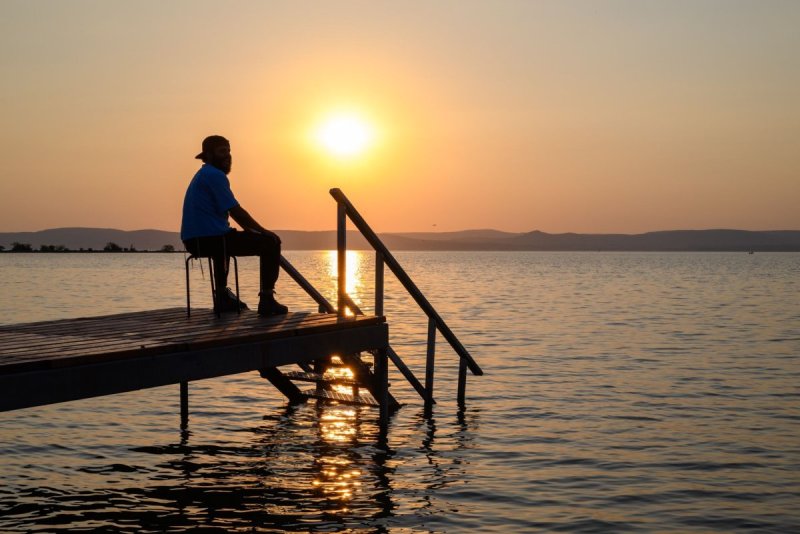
(206, 205)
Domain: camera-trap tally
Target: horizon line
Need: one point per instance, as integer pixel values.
(427, 231)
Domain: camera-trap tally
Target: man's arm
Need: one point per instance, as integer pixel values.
(247, 222)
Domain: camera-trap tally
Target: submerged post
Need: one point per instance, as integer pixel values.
(429, 366)
(462, 383)
(184, 404)
(382, 378)
(341, 256)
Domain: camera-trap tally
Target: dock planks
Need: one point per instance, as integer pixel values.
(78, 358)
(74, 341)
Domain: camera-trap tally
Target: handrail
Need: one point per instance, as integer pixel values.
(324, 305)
(327, 307)
(401, 275)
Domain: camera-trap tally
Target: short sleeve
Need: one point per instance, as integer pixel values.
(220, 188)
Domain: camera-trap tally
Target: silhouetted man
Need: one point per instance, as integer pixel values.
(205, 230)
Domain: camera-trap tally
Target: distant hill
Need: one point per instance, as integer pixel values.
(675, 240)
(463, 235)
(94, 238)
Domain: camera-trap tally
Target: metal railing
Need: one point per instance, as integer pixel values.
(383, 257)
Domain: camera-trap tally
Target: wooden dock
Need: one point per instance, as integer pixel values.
(56, 361)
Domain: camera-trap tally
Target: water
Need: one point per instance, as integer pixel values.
(623, 393)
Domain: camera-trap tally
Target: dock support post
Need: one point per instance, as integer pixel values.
(429, 366)
(382, 377)
(184, 404)
(462, 383)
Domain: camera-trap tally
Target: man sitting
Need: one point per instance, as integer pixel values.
(205, 230)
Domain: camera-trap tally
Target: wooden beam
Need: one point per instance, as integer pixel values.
(282, 384)
(48, 386)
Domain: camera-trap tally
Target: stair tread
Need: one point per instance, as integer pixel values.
(316, 377)
(347, 364)
(364, 399)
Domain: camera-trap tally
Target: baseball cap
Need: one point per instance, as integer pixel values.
(210, 143)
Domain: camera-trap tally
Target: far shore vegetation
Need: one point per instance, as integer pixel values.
(109, 247)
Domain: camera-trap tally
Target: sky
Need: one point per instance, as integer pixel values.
(563, 116)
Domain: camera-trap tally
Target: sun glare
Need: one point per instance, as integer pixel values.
(345, 135)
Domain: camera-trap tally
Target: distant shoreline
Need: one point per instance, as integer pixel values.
(84, 240)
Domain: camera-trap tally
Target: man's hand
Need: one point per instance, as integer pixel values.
(248, 223)
(273, 235)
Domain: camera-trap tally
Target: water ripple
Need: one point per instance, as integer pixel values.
(623, 393)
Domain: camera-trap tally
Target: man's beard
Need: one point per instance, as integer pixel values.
(224, 164)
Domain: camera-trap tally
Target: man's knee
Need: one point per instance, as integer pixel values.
(270, 246)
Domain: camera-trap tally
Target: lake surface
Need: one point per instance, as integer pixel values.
(624, 392)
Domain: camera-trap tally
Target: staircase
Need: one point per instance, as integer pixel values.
(349, 378)
(345, 379)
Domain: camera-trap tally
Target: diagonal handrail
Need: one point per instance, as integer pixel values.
(324, 305)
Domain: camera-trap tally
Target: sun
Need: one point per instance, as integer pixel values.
(345, 135)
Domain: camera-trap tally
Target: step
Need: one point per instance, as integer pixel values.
(364, 399)
(316, 377)
(336, 365)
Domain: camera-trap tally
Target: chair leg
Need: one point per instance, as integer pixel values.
(236, 276)
(214, 288)
(212, 280)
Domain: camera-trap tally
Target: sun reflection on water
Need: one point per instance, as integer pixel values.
(354, 274)
(337, 480)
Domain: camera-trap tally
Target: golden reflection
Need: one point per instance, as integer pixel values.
(341, 373)
(354, 274)
(336, 478)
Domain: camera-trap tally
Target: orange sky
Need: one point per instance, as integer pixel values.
(621, 116)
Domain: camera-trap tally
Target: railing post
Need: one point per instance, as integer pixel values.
(429, 365)
(341, 256)
(378, 283)
(462, 382)
(382, 377)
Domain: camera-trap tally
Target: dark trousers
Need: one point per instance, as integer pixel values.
(235, 243)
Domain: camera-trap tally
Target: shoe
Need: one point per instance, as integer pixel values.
(269, 306)
(229, 302)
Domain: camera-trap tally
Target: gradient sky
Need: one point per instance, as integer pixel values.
(595, 116)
